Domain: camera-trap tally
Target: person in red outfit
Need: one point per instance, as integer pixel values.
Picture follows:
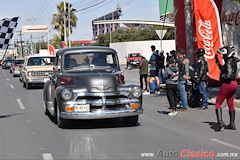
(228, 87)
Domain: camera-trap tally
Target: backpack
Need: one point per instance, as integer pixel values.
(159, 61)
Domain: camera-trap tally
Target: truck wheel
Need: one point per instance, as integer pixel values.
(46, 110)
(59, 121)
(130, 121)
(28, 85)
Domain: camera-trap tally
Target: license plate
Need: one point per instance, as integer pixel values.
(134, 62)
(82, 107)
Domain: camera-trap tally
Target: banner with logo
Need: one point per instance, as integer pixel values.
(231, 26)
(208, 33)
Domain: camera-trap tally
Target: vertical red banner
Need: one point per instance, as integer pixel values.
(180, 26)
(208, 32)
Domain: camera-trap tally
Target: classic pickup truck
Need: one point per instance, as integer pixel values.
(87, 83)
(36, 69)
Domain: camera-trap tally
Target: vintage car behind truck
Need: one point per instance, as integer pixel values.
(36, 70)
(87, 83)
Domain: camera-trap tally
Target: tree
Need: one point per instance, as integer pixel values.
(58, 19)
(56, 41)
(130, 34)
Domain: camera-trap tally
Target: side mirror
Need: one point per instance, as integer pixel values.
(56, 68)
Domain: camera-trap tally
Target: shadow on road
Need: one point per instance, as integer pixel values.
(163, 112)
(10, 115)
(213, 125)
(95, 124)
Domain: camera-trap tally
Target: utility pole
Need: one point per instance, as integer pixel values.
(31, 45)
(64, 19)
(69, 25)
(20, 33)
(189, 35)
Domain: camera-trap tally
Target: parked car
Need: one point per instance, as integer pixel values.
(36, 70)
(133, 59)
(87, 83)
(16, 67)
(7, 63)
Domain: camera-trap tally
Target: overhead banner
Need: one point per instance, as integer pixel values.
(208, 33)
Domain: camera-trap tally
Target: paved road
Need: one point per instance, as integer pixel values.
(26, 133)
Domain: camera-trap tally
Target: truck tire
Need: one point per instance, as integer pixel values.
(131, 121)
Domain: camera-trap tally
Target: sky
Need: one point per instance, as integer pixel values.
(36, 12)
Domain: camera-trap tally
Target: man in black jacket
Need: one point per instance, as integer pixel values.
(201, 76)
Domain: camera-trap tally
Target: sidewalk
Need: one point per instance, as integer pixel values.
(212, 94)
(132, 76)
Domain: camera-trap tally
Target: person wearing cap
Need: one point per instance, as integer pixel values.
(182, 64)
(201, 76)
(143, 71)
(229, 86)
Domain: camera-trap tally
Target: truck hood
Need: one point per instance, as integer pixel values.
(92, 81)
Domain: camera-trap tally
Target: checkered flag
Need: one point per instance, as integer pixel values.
(7, 26)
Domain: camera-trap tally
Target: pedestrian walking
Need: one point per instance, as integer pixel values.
(143, 71)
(228, 87)
(171, 77)
(182, 64)
(201, 76)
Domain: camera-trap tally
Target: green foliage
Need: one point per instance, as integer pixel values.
(58, 19)
(235, 1)
(131, 34)
(56, 41)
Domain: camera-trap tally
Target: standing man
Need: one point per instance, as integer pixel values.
(201, 76)
(143, 71)
(153, 70)
(161, 66)
(183, 68)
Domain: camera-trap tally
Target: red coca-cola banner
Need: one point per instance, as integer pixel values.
(208, 32)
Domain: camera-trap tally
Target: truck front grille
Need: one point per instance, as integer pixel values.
(41, 73)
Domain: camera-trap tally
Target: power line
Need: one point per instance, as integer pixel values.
(39, 9)
(97, 7)
(90, 6)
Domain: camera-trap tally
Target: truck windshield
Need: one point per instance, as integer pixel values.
(40, 61)
(90, 60)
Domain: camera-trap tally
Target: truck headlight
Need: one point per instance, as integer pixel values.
(136, 92)
(29, 73)
(66, 94)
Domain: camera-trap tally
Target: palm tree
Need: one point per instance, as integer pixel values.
(56, 41)
(58, 19)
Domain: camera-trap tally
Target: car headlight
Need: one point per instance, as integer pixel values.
(66, 94)
(136, 92)
(29, 73)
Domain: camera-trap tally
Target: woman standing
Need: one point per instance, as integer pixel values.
(228, 87)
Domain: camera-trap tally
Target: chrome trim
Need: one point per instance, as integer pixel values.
(99, 114)
(99, 102)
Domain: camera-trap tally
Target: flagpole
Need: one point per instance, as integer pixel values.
(5, 52)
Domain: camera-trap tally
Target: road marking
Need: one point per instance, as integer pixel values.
(7, 79)
(47, 156)
(20, 104)
(11, 86)
(226, 144)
